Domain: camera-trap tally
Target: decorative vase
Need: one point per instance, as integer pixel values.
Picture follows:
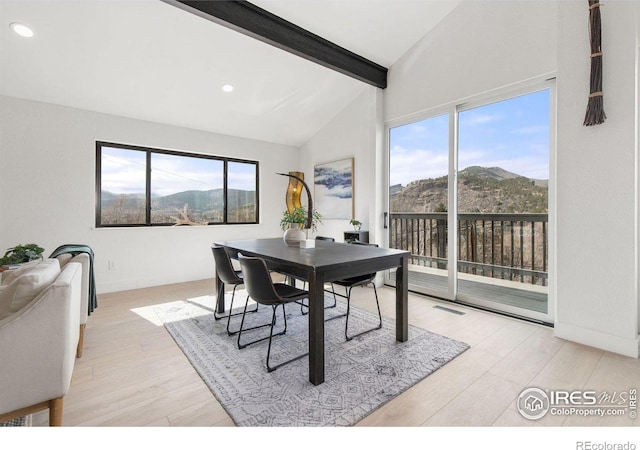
(293, 235)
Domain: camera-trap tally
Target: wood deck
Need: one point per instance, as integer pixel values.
(530, 298)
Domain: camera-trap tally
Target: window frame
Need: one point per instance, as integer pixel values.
(148, 152)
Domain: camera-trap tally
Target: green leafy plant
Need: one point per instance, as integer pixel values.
(356, 224)
(21, 254)
(299, 216)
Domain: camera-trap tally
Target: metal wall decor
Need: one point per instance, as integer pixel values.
(309, 222)
(294, 191)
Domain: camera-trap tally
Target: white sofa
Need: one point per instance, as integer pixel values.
(84, 259)
(39, 332)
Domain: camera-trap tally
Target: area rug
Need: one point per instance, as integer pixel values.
(25, 421)
(360, 375)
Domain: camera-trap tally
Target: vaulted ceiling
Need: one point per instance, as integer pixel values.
(150, 60)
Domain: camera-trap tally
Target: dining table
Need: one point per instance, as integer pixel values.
(323, 263)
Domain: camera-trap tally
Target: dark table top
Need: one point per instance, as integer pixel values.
(324, 257)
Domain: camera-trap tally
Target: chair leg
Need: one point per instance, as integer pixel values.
(375, 292)
(346, 321)
(302, 306)
(242, 324)
(273, 322)
(335, 303)
(229, 314)
(346, 325)
(284, 317)
(219, 297)
(233, 296)
(271, 368)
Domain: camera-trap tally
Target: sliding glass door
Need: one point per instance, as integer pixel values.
(419, 198)
(503, 204)
(469, 198)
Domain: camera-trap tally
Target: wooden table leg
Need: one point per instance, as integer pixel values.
(402, 301)
(316, 329)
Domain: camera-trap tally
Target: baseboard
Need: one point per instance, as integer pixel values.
(139, 283)
(597, 339)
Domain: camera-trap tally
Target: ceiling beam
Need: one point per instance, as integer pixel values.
(248, 19)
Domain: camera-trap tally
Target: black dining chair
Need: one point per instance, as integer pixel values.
(264, 291)
(349, 284)
(302, 304)
(229, 275)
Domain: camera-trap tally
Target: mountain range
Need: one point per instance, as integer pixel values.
(209, 203)
(480, 189)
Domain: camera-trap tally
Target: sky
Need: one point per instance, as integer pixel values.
(512, 134)
(123, 172)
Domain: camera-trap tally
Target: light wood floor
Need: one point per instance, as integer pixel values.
(133, 374)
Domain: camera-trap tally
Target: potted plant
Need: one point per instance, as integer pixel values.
(299, 216)
(293, 223)
(22, 254)
(356, 224)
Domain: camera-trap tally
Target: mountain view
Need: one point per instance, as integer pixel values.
(487, 247)
(480, 189)
(201, 207)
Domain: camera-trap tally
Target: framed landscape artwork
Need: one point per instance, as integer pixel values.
(333, 189)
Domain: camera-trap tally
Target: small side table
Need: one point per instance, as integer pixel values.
(350, 236)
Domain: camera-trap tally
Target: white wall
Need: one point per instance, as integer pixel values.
(597, 192)
(478, 47)
(351, 134)
(47, 192)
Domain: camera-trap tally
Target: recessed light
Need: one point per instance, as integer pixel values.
(21, 29)
(227, 88)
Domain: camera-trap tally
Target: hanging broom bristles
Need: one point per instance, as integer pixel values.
(595, 107)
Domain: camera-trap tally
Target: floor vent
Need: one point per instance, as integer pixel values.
(460, 313)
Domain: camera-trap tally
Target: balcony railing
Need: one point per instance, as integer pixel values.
(497, 245)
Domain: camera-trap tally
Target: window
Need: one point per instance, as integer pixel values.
(469, 199)
(137, 186)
